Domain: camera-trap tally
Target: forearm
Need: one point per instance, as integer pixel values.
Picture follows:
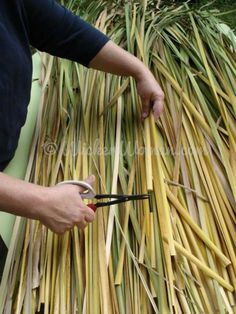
(60, 208)
(113, 59)
(19, 197)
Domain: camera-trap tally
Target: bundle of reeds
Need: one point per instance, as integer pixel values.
(176, 253)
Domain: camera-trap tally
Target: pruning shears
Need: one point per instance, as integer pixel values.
(89, 193)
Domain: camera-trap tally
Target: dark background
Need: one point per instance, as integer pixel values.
(221, 5)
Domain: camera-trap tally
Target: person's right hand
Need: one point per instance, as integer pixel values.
(63, 208)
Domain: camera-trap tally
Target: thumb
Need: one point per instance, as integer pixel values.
(90, 180)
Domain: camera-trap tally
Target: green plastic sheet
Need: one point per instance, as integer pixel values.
(18, 165)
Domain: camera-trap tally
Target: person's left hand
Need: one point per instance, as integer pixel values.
(113, 59)
(151, 94)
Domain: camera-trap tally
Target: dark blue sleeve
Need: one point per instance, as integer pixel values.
(54, 29)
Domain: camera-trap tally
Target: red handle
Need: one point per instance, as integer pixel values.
(92, 206)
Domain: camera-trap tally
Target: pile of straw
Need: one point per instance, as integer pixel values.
(176, 253)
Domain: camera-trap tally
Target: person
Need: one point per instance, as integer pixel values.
(50, 27)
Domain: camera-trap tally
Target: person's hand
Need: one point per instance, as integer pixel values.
(150, 93)
(63, 208)
(113, 59)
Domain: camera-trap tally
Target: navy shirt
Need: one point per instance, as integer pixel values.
(49, 27)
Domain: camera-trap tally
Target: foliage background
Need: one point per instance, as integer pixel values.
(223, 6)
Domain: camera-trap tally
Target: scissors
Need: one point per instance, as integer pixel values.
(89, 193)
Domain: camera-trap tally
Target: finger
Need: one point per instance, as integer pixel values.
(158, 106)
(87, 213)
(82, 224)
(145, 108)
(59, 231)
(85, 210)
(90, 180)
(89, 217)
